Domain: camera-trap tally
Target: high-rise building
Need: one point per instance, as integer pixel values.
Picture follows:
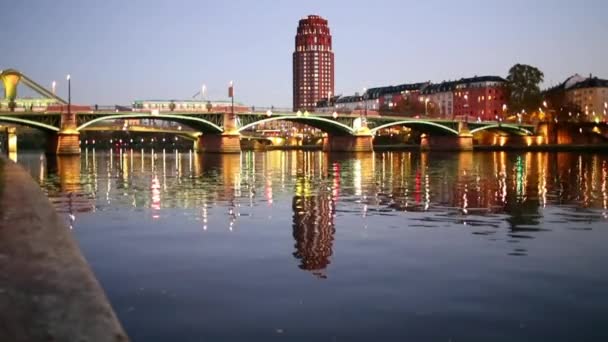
(313, 63)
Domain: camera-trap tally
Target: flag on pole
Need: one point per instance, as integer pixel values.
(231, 90)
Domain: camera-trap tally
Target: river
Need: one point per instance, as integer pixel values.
(309, 246)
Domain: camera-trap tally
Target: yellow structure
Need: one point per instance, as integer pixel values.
(10, 80)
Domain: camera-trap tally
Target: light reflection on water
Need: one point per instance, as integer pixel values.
(370, 231)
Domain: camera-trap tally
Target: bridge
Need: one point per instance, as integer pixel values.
(221, 131)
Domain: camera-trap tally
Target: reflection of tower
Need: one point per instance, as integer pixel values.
(313, 228)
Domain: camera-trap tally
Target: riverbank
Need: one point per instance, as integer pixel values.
(546, 148)
(47, 290)
(412, 147)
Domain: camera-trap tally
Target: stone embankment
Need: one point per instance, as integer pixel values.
(47, 290)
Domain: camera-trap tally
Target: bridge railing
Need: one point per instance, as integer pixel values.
(256, 109)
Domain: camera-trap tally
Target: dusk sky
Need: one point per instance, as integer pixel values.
(118, 51)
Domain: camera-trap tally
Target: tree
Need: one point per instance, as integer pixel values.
(410, 105)
(523, 84)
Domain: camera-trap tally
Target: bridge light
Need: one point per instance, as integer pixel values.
(305, 113)
(335, 115)
(110, 141)
(299, 113)
(269, 112)
(545, 104)
(179, 128)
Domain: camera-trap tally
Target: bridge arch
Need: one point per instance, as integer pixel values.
(433, 126)
(507, 128)
(324, 124)
(195, 122)
(29, 123)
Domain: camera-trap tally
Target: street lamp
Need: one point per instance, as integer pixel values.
(69, 79)
(203, 89)
(231, 95)
(426, 106)
(335, 115)
(53, 87)
(466, 105)
(364, 118)
(268, 112)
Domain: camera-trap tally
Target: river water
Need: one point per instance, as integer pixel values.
(308, 246)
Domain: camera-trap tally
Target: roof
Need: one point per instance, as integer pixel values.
(347, 99)
(325, 102)
(374, 93)
(478, 79)
(439, 87)
(591, 82)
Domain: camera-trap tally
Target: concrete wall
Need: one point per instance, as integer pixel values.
(47, 291)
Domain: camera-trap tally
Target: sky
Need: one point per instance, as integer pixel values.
(117, 51)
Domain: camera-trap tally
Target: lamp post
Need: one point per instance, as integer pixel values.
(364, 106)
(203, 89)
(466, 105)
(426, 106)
(69, 79)
(231, 95)
(53, 87)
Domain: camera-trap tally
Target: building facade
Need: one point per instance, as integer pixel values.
(590, 96)
(313, 63)
(391, 96)
(480, 98)
(441, 97)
